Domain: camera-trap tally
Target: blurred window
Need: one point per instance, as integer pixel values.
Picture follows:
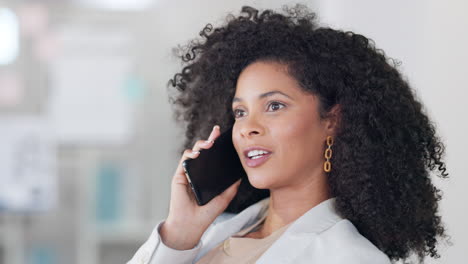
(118, 4)
(9, 36)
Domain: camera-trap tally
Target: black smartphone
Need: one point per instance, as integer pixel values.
(215, 169)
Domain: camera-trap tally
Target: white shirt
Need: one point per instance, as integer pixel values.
(318, 236)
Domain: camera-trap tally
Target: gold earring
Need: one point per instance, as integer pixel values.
(328, 154)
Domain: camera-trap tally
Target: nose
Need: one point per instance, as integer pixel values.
(250, 127)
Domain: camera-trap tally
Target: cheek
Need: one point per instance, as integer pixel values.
(291, 139)
(299, 136)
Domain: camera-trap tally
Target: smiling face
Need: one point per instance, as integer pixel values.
(272, 112)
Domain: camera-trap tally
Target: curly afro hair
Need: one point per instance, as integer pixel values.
(385, 147)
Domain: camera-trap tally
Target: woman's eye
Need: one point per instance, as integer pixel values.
(276, 106)
(273, 105)
(235, 112)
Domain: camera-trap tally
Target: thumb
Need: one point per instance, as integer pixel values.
(225, 197)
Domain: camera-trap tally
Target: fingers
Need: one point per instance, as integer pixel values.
(201, 144)
(206, 144)
(214, 133)
(193, 153)
(180, 178)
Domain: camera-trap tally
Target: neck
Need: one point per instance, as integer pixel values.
(303, 197)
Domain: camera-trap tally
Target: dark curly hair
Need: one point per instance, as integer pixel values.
(385, 147)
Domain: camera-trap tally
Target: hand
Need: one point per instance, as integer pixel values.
(187, 221)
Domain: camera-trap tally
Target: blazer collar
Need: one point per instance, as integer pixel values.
(301, 233)
(315, 220)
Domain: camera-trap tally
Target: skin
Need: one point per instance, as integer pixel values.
(294, 172)
(288, 124)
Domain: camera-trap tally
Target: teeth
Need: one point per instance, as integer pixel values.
(253, 153)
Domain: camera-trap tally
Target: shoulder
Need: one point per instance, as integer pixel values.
(350, 245)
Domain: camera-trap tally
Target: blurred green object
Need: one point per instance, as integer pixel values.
(134, 88)
(42, 255)
(109, 189)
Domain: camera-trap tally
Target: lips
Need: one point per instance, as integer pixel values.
(258, 161)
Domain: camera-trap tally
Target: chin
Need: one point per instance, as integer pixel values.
(259, 181)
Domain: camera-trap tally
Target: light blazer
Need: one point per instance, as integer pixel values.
(318, 236)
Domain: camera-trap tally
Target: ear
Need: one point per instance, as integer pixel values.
(333, 120)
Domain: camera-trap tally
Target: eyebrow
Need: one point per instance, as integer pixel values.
(263, 95)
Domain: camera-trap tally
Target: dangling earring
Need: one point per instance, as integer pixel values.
(328, 154)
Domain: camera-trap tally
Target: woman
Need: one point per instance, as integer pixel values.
(335, 145)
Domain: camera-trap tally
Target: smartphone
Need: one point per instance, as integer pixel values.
(215, 169)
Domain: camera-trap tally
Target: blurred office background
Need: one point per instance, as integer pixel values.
(87, 139)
